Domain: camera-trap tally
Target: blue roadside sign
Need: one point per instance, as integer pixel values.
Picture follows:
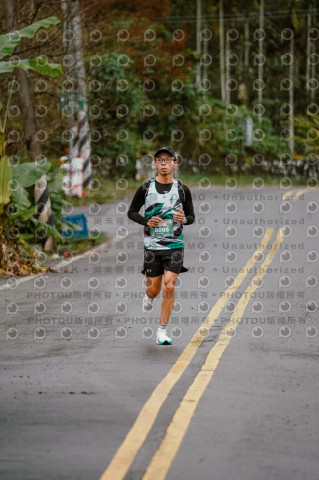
(74, 227)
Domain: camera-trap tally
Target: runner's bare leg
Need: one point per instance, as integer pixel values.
(153, 286)
(168, 296)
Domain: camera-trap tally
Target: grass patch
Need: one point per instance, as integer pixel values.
(77, 247)
(111, 190)
(192, 180)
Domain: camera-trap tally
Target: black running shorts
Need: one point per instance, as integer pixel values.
(156, 261)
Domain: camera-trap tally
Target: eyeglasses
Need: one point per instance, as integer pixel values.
(165, 160)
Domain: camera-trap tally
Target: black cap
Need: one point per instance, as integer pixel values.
(167, 150)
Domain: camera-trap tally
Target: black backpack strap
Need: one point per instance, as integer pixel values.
(181, 191)
(146, 186)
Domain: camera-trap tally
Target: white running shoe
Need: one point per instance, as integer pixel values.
(162, 338)
(147, 304)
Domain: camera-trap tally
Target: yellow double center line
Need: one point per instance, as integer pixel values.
(135, 438)
(168, 449)
(295, 194)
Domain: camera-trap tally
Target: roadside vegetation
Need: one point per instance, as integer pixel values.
(110, 81)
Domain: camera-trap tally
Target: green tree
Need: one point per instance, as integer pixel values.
(12, 186)
(116, 113)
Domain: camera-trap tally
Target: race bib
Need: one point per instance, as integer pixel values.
(166, 229)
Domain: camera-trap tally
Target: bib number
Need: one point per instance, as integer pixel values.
(166, 229)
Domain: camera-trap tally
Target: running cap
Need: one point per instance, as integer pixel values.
(167, 150)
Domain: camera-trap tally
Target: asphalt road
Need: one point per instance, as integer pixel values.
(235, 397)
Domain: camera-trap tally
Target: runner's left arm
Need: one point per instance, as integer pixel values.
(188, 206)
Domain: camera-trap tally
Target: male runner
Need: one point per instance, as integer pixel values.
(168, 205)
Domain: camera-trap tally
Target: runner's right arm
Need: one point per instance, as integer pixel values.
(136, 204)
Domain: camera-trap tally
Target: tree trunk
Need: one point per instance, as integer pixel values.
(291, 98)
(41, 193)
(25, 92)
(308, 49)
(244, 66)
(227, 70)
(205, 52)
(80, 139)
(313, 65)
(222, 51)
(246, 61)
(261, 49)
(198, 40)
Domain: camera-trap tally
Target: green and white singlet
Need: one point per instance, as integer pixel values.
(169, 235)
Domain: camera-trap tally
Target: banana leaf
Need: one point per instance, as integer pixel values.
(21, 198)
(49, 229)
(5, 178)
(9, 41)
(27, 174)
(37, 64)
(24, 215)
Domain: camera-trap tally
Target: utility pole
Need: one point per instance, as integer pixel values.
(261, 49)
(222, 51)
(291, 98)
